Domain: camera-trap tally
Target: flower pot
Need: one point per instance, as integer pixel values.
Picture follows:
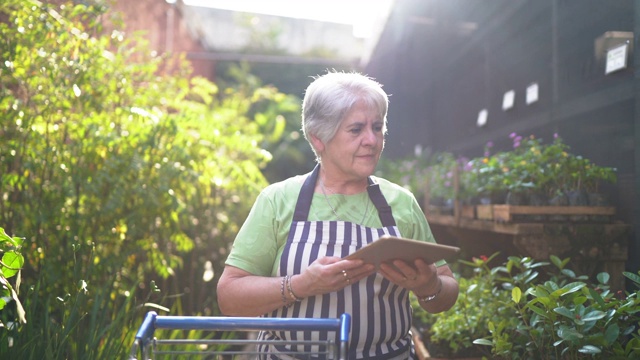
(560, 199)
(578, 198)
(538, 199)
(598, 199)
(517, 198)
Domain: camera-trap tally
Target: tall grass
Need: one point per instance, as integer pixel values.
(96, 321)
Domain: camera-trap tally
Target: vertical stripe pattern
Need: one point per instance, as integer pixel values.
(380, 310)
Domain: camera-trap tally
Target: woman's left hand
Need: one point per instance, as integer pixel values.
(426, 281)
(416, 277)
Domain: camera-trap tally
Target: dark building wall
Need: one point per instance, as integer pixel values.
(444, 61)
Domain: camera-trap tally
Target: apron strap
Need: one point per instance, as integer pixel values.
(384, 210)
(303, 204)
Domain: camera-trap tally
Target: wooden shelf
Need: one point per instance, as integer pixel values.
(484, 225)
(592, 246)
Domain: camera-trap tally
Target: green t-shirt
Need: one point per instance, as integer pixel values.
(260, 241)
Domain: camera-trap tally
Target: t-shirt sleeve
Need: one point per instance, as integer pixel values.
(255, 246)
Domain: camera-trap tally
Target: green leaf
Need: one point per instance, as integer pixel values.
(594, 315)
(483, 342)
(556, 343)
(13, 262)
(13, 296)
(3, 236)
(633, 277)
(565, 312)
(603, 277)
(569, 334)
(538, 311)
(590, 349)
(596, 296)
(573, 287)
(13, 241)
(516, 294)
(611, 333)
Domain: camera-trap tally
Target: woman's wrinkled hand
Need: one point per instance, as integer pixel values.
(418, 277)
(330, 274)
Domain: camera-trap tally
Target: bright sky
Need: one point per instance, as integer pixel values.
(362, 14)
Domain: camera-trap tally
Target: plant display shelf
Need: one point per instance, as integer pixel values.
(599, 246)
(506, 212)
(510, 213)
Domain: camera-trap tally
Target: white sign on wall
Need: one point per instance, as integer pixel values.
(616, 58)
(508, 100)
(532, 93)
(482, 118)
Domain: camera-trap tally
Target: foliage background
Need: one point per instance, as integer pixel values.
(127, 182)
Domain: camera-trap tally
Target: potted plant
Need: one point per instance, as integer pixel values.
(440, 178)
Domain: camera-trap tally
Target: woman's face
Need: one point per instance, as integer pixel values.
(354, 151)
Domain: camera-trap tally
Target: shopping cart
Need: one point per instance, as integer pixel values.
(147, 346)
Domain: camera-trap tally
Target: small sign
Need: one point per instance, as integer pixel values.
(532, 93)
(482, 118)
(616, 58)
(508, 100)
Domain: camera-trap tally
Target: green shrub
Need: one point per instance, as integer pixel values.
(451, 333)
(120, 173)
(566, 316)
(527, 309)
(10, 265)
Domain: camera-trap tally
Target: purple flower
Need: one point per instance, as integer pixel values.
(490, 144)
(447, 183)
(555, 135)
(513, 135)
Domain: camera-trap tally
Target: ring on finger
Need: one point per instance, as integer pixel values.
(346, 277)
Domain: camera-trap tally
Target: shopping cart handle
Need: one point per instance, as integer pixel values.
(248, 323)
(147, 327)
(152, 321)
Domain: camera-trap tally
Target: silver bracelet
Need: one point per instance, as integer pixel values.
(431, 297)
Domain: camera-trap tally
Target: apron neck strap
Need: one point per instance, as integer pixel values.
(303, 205)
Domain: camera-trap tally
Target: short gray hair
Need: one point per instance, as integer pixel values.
(331, 96)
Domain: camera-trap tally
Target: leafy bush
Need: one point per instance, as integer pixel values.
(10, 266)
(519, 311)
(566, 316)
(120, 172)
(451, 333)
(530, 167)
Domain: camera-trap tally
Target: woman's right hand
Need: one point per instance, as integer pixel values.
(241, 293)
(329, 274)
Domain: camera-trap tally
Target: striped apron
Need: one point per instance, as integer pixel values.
(380, 311)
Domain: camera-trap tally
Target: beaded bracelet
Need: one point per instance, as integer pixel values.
(284, 297)
(291, 293)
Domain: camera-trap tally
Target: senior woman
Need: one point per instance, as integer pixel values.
(287, 259)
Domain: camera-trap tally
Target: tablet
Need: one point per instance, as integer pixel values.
(389, 248)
